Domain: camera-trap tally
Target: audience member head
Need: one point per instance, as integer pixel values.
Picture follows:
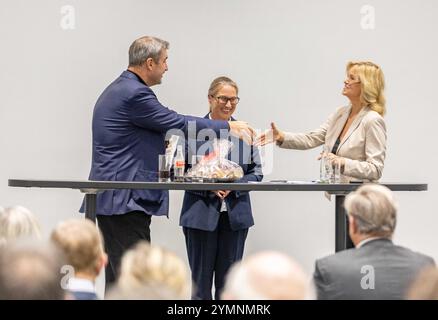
(146, 266)
(18, 223)
(82, 244)
(372, 212)
(266, 276)
(30, 272)
(425, 286)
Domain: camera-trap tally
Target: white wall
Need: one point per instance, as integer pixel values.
(288, 58)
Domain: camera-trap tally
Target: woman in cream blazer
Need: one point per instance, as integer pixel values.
(355, 135)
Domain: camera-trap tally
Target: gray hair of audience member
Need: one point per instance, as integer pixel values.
(144, 48)
(31, 271)
(267, 276)
(425, 286)
(16, 223)
(374, 209)
(147, 265)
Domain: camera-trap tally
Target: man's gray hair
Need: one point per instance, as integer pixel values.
(374, 209)
(144, 48)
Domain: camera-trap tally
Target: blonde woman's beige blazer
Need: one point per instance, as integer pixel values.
(363, 146)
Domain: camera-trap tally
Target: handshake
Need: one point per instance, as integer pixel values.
(243, 130)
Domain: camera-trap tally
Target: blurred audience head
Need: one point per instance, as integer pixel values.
(267, 276)
(147, 268)
(425, 286)
(30, 272)
(82, 244)
(372, 212)
(18, 223)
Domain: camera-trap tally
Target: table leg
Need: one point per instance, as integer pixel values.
(90, 206)
(342, 238)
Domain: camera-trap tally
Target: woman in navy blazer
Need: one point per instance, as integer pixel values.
(215, 223)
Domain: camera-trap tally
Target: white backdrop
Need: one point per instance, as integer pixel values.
(288, 58)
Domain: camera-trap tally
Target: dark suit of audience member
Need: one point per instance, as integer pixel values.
(375, 268)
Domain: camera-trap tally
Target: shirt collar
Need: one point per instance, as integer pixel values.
(365, 241)
(209, 117)
(82, 285)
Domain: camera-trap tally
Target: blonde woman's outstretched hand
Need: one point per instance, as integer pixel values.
(269, 136)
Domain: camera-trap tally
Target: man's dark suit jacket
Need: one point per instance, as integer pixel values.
(129, 128)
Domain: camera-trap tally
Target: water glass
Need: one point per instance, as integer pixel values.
(164, 165)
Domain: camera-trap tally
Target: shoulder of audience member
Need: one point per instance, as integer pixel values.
(418, 255)
(336, 259)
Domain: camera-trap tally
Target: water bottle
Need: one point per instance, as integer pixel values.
(179, 165)
(325, 167)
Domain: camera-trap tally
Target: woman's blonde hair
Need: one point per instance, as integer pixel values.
(152, 266)
(218, 83)
(372, 84)
(18, 222)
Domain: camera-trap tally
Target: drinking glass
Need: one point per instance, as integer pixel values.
(164, 165)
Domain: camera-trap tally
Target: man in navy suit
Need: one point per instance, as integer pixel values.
(215, 224)
(129, 128)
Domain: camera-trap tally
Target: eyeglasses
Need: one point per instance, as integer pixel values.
(224, 99)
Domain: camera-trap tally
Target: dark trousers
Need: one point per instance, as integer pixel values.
(212, 253)
(120, 232)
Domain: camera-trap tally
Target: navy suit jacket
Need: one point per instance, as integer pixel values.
(129, 128)
(201, 209)
(82, 295)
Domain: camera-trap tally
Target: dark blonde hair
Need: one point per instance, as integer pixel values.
(218, 83)
(81, 242)
(372, 84)
(146, 265)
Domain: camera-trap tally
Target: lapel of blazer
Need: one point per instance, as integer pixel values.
(354, 125)
(339, 123)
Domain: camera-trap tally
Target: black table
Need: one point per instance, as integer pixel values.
(91, 188)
